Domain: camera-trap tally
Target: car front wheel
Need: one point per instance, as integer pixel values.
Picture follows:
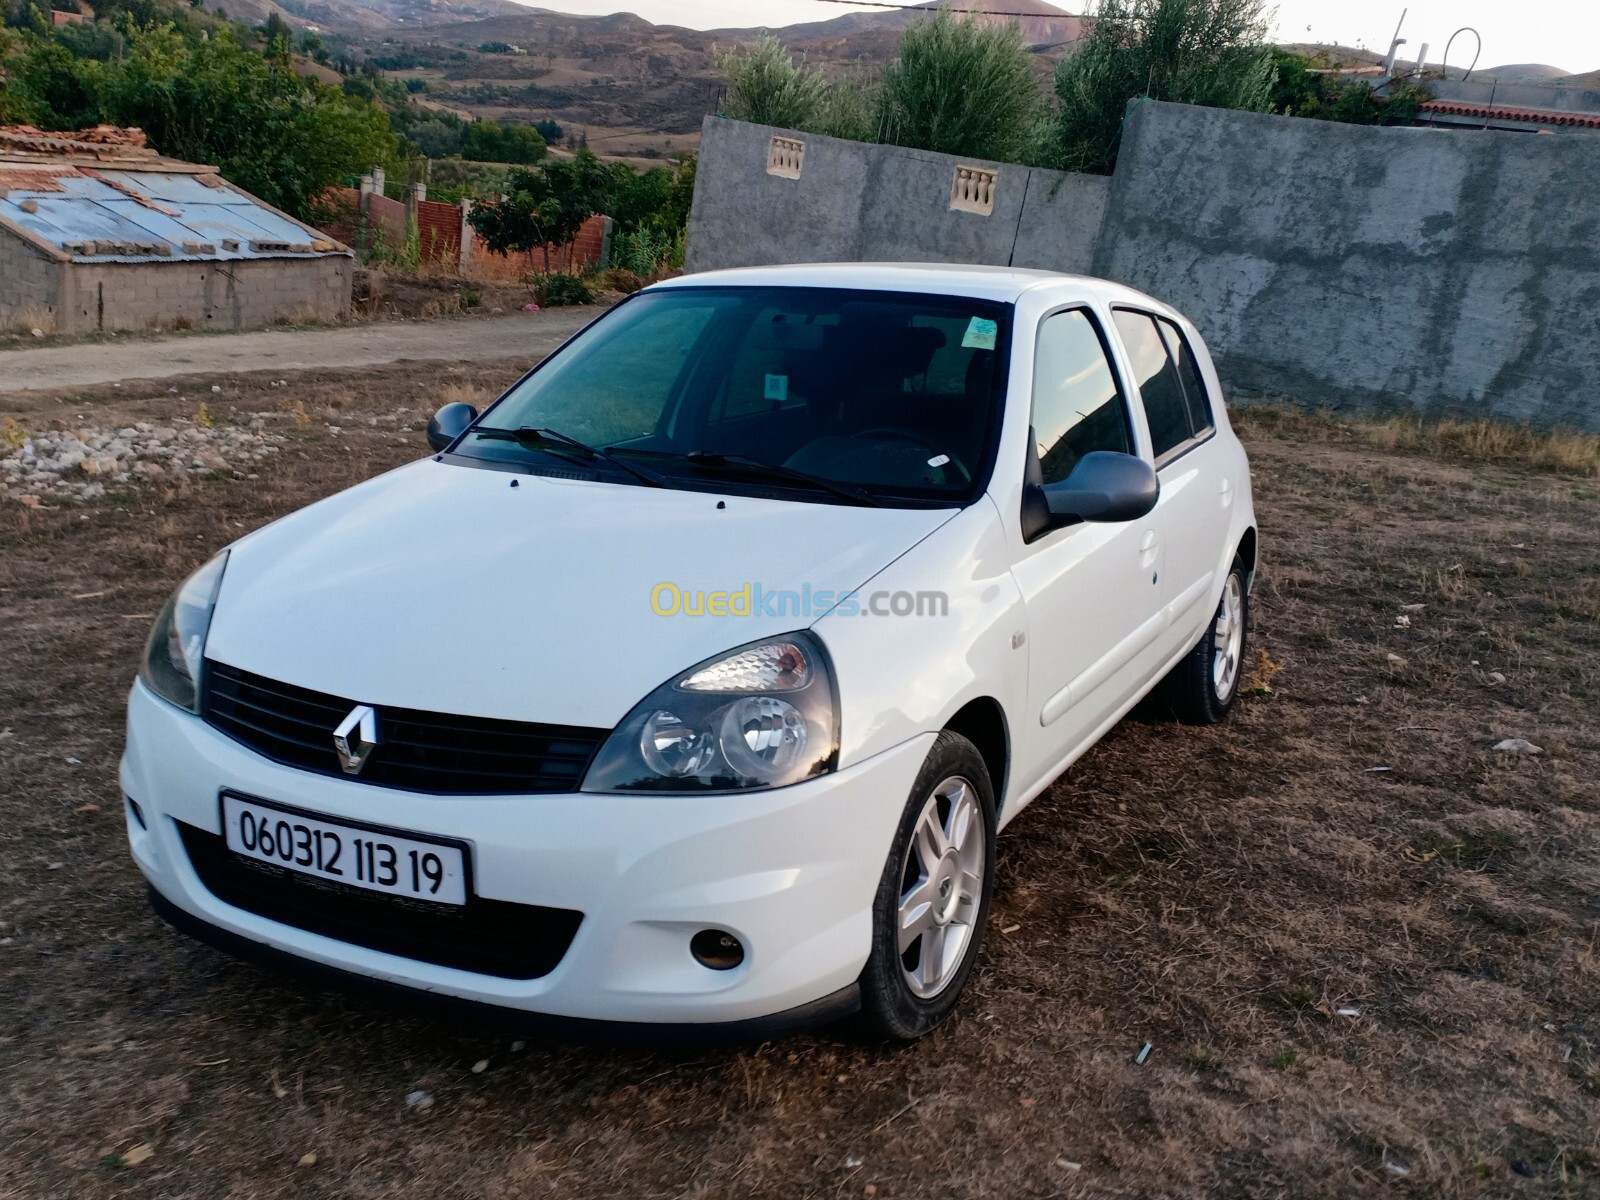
(932, 903)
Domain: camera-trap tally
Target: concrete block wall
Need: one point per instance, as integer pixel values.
(205, 295)
(1444, 272)
(855, 202)
(30, 286)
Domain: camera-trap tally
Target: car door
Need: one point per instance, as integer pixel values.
(1191, 462)
(1092, 591)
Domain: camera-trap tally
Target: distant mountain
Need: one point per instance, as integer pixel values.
(632, 87)
(1042, 24)
(358, 18)
(1540, 71)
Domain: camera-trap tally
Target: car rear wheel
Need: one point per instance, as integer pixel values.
(1201, 689)
(933, 901)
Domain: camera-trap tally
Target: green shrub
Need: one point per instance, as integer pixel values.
(961, 86)
(558, 290)
(767, 87)
(1210, 52)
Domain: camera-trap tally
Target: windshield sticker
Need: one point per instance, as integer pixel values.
(778, 388)
(981, 335)
(940, 461)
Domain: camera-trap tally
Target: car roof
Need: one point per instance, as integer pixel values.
(1005, 284)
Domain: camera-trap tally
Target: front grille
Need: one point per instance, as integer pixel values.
(488, 937)
(418, 751)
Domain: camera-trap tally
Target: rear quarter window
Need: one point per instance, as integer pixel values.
(1201, 418)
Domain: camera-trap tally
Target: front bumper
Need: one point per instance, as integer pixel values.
(791, 873)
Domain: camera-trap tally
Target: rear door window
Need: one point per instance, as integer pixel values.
(1165, 405)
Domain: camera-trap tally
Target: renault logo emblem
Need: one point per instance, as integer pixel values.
(356, 738)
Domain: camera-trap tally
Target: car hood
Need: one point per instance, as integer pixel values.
(481, 593)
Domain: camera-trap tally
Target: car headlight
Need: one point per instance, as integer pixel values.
(763, 716)
(176, 651)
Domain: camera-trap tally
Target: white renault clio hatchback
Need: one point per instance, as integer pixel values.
(688, 685)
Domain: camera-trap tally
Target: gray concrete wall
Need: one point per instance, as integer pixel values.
(204, 295)
(1444, 272)
(30, 286)
(862, 203)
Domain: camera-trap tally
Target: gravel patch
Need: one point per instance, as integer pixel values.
(83, 463)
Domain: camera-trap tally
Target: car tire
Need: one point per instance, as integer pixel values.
(936, 885)
(1202, 689)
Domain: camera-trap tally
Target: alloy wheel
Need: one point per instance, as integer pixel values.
(1227, 639)
(941, 886)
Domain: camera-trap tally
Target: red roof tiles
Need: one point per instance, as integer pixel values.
(1505, 112)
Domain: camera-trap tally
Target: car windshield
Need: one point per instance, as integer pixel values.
(836, 395)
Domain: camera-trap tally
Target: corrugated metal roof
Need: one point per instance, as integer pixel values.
(110, 214)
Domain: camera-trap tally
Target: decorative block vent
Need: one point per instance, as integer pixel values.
(973, 190)
(786, 158)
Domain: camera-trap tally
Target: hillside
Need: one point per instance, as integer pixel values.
(362, 18)
(631, 87)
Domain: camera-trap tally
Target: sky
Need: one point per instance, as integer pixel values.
(1563, 33)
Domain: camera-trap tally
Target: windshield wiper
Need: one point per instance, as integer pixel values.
(754, 466)
(544, 439)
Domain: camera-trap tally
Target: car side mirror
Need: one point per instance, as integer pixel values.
(449, 423)
(1104, 486)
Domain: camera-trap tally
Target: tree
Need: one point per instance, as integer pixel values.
(546, 207)
(1210, 52)
(284, 138)
(961, 86)
(276, 30)
(487, 141)
(767, 87)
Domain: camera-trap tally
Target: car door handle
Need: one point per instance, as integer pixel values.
(1149, 542)
(1226, 491)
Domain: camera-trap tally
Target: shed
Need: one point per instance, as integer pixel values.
(99, 232)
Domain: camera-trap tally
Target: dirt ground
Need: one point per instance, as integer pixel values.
(1361, 944)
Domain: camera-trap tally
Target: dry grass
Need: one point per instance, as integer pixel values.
(1353, 980)
(1563, 451)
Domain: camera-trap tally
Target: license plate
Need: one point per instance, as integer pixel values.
(378, 860)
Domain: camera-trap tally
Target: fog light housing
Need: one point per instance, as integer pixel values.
(716, 949)
(138, 813)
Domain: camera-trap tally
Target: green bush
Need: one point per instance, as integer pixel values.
(961, 86)
(767, 87)
(558, 290)
(1210, 52)
(1301, 92)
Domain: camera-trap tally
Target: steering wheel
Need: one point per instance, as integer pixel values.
(900, 435)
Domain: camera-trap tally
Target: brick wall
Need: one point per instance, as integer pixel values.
(584, 252)
(389, 216)
(339, 214)
(30, 286)
(204, 295)
(439, 237)
(439, 232)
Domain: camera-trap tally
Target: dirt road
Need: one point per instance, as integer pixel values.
(85, 364)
